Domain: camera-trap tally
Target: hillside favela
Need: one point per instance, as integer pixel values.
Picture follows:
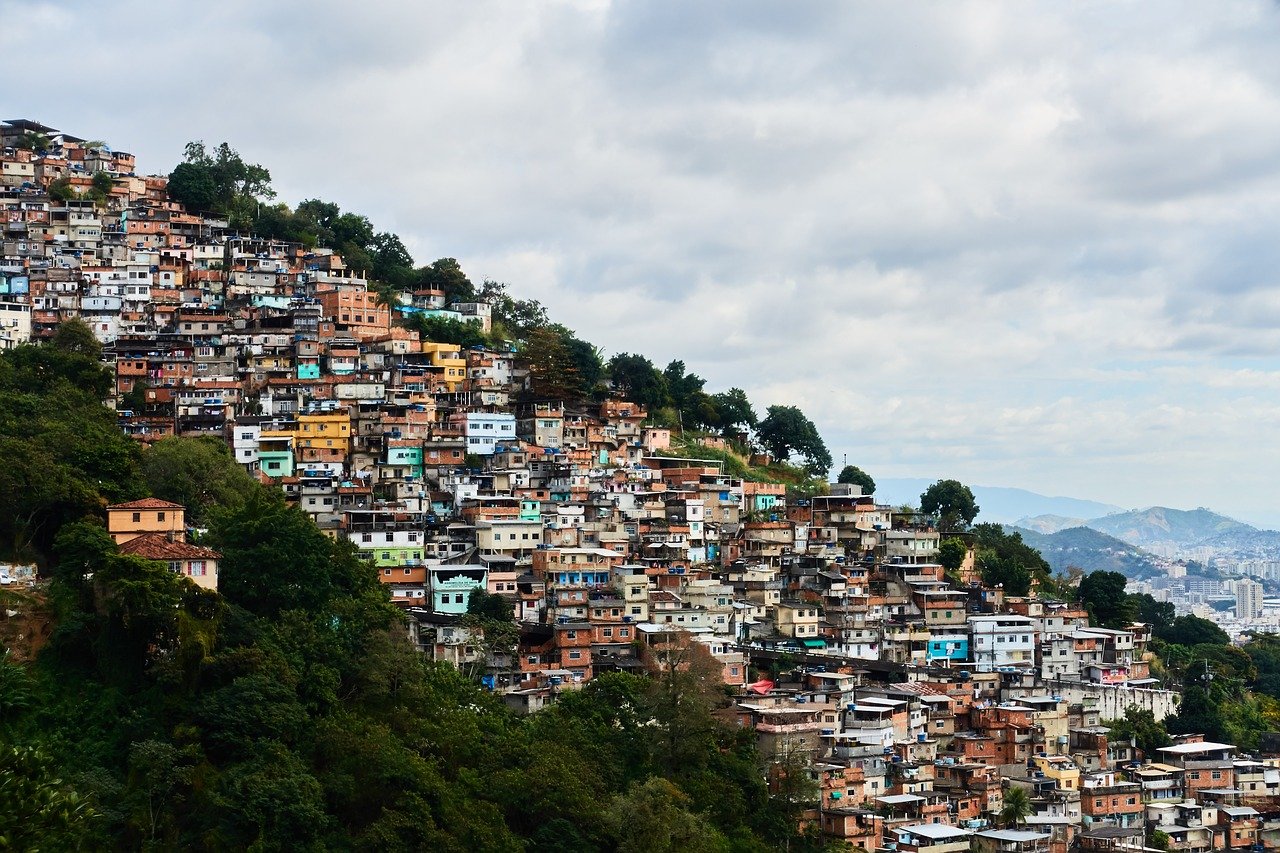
(311, 547)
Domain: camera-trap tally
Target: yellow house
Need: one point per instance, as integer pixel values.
(323, 437)
(448, 365)
(1061, 769)
(330, 429)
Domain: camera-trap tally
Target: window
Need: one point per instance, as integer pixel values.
(574, 654)
(137, 517)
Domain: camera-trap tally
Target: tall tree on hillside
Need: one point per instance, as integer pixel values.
(515, 317)
(786, 431)
(1102, 594)
(446, 274)
(198, 473)
(1140, 726)
(635, 377)
(1191, 631)
(855, 475)
(237, 187)
(736, 414)
(1151, 611)
(1005, 560)
(552, 370)
(588, 361)
(952, 502)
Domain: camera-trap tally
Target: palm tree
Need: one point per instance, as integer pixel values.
(1016, 808)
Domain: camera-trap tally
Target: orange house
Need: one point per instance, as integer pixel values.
(150, 515)
(356, 311)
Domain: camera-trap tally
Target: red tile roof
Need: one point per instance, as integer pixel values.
(158, 546)
(147, 503)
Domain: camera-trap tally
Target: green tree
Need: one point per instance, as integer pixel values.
(952, 502)
(489, 605)
(951, 554)
(1014, 577)
(308, 570)
(736, 414)
(446, 274)
(517, 317)
(1102, 594)
(446, 330)
(588, 362)
(1191, 631)
(552, 370)
(74, 337)
(160, 777)
(33, 141)
(1152, 612)
(271, 803)
(192, 186)
(1141, 727)
(1198, 714)
(198, 473)
(786, 431)
(221, 182)
(856, 476)
(60, 189)
(39, 810)
(392, 262)
(135, 399)
(1016, 808)
(635, 378)
(654, 817)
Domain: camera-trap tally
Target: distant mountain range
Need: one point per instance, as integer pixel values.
(1091, 551)
(1093, 535)
(998, 503)
(1160, 525)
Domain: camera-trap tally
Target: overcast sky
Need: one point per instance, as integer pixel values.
(1019, 244)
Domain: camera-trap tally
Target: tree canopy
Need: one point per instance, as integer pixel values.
(219, 181)
(952, 502)
(785, 431)
(856, 476)
(1102, 594)
(1005, 560)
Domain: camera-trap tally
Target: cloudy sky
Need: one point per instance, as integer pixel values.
(1020, 244)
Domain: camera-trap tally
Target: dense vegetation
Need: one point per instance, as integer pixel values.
(290, 712)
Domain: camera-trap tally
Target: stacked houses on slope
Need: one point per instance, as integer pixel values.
(922, 701)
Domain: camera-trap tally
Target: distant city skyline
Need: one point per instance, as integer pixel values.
(1028, 245)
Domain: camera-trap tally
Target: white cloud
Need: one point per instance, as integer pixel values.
(1029, 244)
